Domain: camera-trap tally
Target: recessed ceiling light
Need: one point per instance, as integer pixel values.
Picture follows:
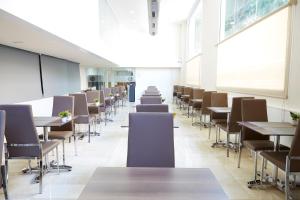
(132, 12)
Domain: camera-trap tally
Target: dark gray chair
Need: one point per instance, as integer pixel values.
(150, 140)
(152, 108)
(3, 175)
(151, 100)
(22, 138)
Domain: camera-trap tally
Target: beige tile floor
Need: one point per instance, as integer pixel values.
(192, 150)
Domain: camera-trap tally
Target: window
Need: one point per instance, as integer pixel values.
(238, 14)
(194, 31)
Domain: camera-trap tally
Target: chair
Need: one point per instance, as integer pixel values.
(232, 127)
(152, 108)
(109, 99)
(151, 100)
(185, 96)
(218, 100)
(3, 175)
(287, 161)
(60, 104)
(196, 105)
(103, 106)
(82, 112)
(93, 96)
(175, 89)
(150, 140)
(179, 93)
(254, 110)
(204, 110)
(22, 138)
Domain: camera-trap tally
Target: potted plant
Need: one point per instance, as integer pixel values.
(65, 115)
(295, 117)
(97, 102)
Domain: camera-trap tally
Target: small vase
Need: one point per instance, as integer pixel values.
(97, 103)
(66, 119)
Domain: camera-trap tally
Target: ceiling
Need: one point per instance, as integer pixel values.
(18, 33)
(134, 13)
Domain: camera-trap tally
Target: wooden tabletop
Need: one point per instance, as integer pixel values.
(271, 128)
(220, 109)
(152, 184)
(50, 121)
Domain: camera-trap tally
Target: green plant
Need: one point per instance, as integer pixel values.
(96, 100)
(65, 113)
(295, 116)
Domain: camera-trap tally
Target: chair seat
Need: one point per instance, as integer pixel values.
(59, 135)
(84, 119)
(278, 158)
(49, 146)
(93, 109)
(262, 145)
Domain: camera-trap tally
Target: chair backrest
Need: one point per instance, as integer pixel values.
(80, 108)
(236, 114)
(187, 90)
(150, 140)
(2, 130)
(107, 92)
(151, 100)
(219, 100)
(102, 97)
(92, 95)
(60, 104)
(198, 93)
(254, 110)
(20, 129)
(152, 108)
(295, 150)
(206, 102)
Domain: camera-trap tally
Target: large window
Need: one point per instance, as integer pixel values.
(238, 14)
(194, 31)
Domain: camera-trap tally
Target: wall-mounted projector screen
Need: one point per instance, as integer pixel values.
(255, 60)
(59, 76)
(19, 76)
(192, 71)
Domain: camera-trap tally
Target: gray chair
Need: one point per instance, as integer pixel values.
(93, 96)
(62, 103)
(22, 138)
(152, 108)
(150, 140)
(151, 100)
(82, 113)
(3, 175)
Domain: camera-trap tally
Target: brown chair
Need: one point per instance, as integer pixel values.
(22, 138)
(204, 110)
(3, 175)
(218, 100)
(60, 104)
(287, 161)
(195, 103)
(150, 140)
(175, 89)
(82, 113)
(179, 93)
(185, 96)
(232, 127)
(254, 110)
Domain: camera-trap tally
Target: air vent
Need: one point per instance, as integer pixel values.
(153, 13)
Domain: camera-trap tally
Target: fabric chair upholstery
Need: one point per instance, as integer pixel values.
(151, 100)
(3, 174)
(152, 108)
(150, 140)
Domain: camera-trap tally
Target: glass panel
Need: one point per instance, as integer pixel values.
(238, 14)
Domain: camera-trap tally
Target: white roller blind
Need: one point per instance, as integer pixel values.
(255, 60)
(192, 71)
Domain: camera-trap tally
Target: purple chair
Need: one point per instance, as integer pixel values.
(151, 100)
(152, 108)
(3, 175)
(150, 140)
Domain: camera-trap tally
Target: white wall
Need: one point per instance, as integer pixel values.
(162, 78)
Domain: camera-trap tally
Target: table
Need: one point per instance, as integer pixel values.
(275, 129)
(219, 110)
(152, 183)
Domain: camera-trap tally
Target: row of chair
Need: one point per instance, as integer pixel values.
(242, 109)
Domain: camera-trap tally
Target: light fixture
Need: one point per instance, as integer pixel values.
(132, 12)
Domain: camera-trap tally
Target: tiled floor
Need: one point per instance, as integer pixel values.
(192, 149)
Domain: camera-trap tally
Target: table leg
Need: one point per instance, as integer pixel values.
(276, 148)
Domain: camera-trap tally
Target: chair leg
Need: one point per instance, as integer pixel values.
(287, 175)
(240, 155)
(262, 169)
(255, 165)
(57, 159)
(4, 181)
(41, 176)
(64, 156)
(89, 140)
(228, 138)
(75, 144)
